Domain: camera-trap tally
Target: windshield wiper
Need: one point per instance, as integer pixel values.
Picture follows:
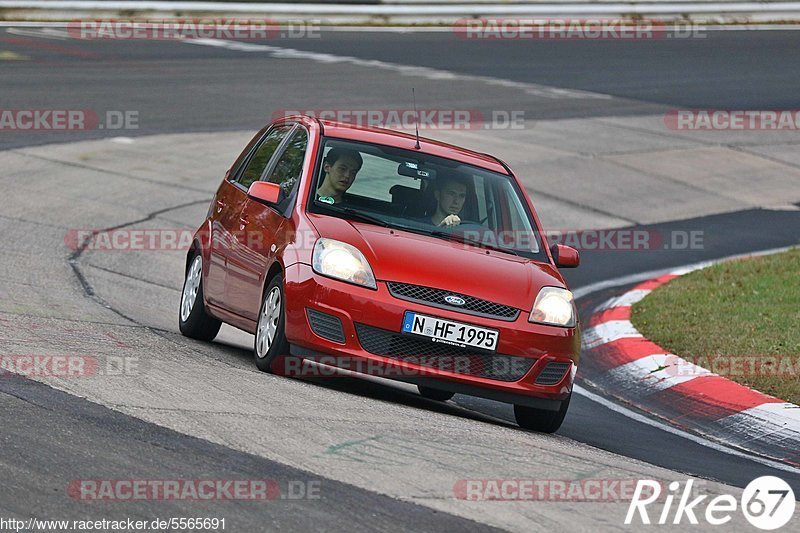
(455, 237)
(352, 213)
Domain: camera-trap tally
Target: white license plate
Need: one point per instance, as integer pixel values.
(449, 332)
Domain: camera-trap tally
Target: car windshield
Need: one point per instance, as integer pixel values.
(421, 193)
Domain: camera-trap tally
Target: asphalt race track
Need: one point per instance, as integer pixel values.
(595, 152)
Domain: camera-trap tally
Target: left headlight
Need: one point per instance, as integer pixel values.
(554, 306)
(342, 261)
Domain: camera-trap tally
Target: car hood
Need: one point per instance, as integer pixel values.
(406, 257)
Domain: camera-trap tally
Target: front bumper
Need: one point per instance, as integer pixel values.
(370, 334)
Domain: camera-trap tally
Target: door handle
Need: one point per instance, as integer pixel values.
(244, 220)
(220, 205)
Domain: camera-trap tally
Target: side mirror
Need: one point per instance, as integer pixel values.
(565, 256)
(264, 192)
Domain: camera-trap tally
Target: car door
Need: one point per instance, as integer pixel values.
(222, 220)
(225, 224)
(263, 227)
(220, 226)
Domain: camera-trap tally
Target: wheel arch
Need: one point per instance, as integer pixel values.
(275, 268)
(190, 254)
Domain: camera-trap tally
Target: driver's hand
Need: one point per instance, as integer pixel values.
(450, 220)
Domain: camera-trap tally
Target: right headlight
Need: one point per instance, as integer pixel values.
(554, 306)
(342, 261)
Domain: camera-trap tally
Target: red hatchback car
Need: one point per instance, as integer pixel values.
(378, 252)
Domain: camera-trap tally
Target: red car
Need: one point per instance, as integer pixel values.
(383, 253)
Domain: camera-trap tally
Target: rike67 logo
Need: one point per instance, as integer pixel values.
(767, 503)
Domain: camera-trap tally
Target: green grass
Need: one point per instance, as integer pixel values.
(740, 319)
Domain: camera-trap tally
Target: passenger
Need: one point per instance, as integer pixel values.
(340, 167)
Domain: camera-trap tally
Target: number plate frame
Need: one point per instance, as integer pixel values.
(453, 333)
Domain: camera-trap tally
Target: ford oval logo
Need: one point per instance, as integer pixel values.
(454, 300)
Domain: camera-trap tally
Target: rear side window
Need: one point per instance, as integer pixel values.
(259, 161)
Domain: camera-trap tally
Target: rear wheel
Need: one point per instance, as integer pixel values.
(435, 394)
(193, 320)
(270, 342)
(540, 419)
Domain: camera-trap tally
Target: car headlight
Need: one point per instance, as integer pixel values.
(554, 306)
(342, 261)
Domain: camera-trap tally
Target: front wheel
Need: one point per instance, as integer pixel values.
(193, 319)
(541, 420)
(270, 341)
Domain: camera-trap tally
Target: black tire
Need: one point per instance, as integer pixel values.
(197, 324)
(435, 394)
(541, 420)
(278, 347)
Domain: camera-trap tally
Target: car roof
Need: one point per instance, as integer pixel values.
(398, 139)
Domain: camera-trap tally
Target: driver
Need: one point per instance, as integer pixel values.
(340, 167)
(450, 194)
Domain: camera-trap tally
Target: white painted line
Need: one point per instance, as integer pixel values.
(449, 29)
(785, 415)
(778, 412)
(608, 332)
(688, 436)
(586, 290)
(42, 33)
(417, 28)
(691, 268)
(405, 70)
(752, 27)
(625, 300)
(645, 372)
(422, 10)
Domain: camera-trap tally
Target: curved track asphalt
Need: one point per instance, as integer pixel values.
(385, 457)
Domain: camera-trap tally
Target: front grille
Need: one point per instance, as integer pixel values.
(435, 298)
(553, 373)
(442, 356)
(325, 325)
